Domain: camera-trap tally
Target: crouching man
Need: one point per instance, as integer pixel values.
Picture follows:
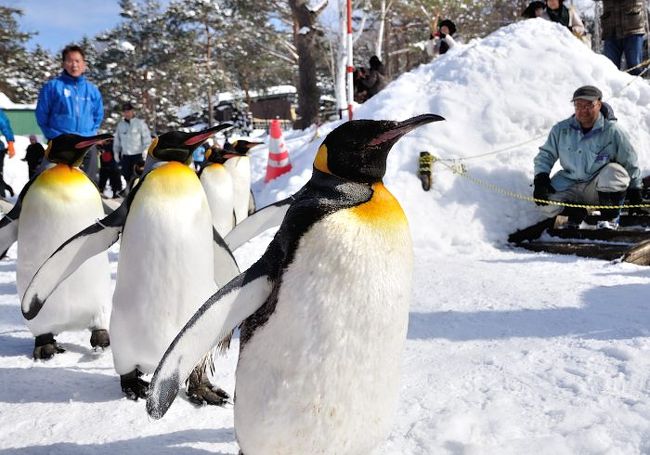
(599, 165)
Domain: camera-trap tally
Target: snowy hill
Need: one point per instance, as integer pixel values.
(508, 352)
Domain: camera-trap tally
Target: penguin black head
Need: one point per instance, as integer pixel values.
(70, 148)
(215, 154)
(357, 150)
(178, 145)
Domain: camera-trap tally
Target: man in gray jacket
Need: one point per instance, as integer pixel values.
(599, 165)
(623, 25)
(132, 138)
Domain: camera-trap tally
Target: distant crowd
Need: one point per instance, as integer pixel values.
(623, 30)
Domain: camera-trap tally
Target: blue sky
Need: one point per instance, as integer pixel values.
(60, 22)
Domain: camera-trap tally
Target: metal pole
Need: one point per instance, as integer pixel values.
(350, 66)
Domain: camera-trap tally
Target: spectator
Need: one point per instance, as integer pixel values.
(623, 25)
(198, 156)
(440, 40)
(34, 156)
(374, 81)
(533, 10)
(71, 104)
(556, 11)
(598, 163)
(5, 129)
(132, 138)
(109, 171)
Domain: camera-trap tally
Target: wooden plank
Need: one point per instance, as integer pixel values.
(619, 235)
(590, 250)
(639, 254)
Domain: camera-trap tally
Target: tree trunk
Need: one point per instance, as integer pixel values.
(305, 40)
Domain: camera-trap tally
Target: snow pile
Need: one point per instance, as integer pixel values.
(508, 351)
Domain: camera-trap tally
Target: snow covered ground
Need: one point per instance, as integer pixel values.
(508, 351)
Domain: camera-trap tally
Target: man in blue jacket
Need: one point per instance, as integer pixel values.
(71, 104)
(5, 129)
(599, 165)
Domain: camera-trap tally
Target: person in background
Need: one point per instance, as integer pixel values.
(109, 171)
(69, 103)
(374, 80)
(34, 156)
(441, 37)
(599, 165)
(8, 133)
(533, 10)
(556, 11)
(131, 140)
(623, 27)
(198, 156)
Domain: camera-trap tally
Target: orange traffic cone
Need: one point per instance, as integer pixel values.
(278, 162)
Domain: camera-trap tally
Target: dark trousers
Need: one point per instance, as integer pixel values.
(127, 162)
(112, 174)
(630, 46)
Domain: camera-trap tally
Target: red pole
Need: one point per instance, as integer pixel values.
(350, 67)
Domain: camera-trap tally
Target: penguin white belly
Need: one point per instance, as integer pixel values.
(165, 269)
(240, 170)
(322, 375)
(60, 203)
(218, 186)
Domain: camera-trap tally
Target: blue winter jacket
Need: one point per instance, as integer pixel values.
(5, 127)
(582, 156)
(69, 104)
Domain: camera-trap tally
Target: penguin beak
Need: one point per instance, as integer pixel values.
(398, 129)
(206, 134)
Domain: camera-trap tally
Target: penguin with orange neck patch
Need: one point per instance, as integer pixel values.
(323, 313)
(51, 207)
(166, 266)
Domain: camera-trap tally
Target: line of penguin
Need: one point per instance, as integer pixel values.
(322, 314)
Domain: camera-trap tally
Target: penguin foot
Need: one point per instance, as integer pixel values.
(100, 339)
(45, 347)
(206, 393)
(134, 387)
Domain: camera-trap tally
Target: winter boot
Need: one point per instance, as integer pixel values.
(99, 339)
(424, 170)
(134, 387)
(45, 347)
(609, 217)
(576, 215)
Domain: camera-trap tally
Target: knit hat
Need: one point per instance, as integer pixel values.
(127, 107)
(587, 92)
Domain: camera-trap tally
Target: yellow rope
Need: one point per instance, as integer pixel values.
(461, 170)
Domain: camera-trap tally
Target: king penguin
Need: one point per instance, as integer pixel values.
(218, 186)
(165, 268)
(323, 313)
(238, 164)
(51, 207)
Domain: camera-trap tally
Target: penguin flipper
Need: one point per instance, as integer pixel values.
(69, 257)
(216, 318)
(265, 218)
(225, 265)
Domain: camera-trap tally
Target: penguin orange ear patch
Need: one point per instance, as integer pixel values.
(320, 162)
(153, 145)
